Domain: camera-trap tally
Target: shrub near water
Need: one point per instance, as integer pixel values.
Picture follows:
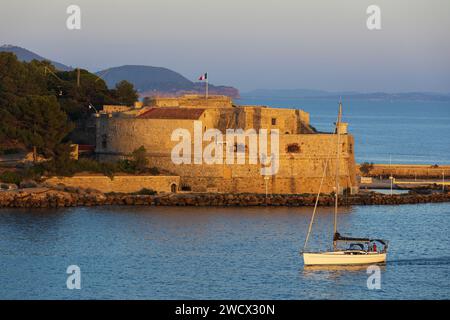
(10, 177)
(10, 151)
(366, 167)
(136, 165)
(67, 167)
(145, 191)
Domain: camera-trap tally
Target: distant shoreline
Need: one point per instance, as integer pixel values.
(336, 96)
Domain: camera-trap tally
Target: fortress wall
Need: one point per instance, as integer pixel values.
(200, 101)
(123, 135)
(299, 172)
(121, 183)
(408, 170)
(128, 133)
(115, 108)
(193, 101)
(275, 185)
(288, 121)
(295, 175)
(304, 116)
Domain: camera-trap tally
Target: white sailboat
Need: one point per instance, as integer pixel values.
(359, 251)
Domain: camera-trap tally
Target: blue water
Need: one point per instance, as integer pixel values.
(243, 253)
(216, 253)
(406, 131)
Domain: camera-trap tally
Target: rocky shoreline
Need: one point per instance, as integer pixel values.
(50, 198)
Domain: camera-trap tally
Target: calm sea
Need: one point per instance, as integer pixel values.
(406, 131)
(217, 253)
(243, 253)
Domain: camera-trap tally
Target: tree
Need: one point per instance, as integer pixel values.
(37, 101)
(74, 99)
(140, 160)
(366, 167)
(125, 93)
(40, 122)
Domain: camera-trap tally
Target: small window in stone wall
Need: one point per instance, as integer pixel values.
(104, 141)
(293, 148)
(274, 121)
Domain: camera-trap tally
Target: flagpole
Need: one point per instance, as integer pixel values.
(207, 87)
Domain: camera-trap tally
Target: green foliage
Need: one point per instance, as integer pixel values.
(61, 166)
(30, 114)
(126, 166)
(140, 160)
(37, 102)
(10, 151)
(69, 167)
(10, 177)
(32, 173)
(75, 99)
(366, 167)
(125, 93)
(40, 122)
(37, 105)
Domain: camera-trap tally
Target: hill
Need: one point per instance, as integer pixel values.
(151, 81)
(26, 56)
(148, 80)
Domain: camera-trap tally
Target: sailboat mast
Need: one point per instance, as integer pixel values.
(338, 153)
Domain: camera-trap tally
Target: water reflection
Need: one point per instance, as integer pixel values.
(218, 253)
(335, 274)
(308, 270)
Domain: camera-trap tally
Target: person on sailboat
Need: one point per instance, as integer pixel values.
(352, 256)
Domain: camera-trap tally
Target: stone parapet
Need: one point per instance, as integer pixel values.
(118, 183)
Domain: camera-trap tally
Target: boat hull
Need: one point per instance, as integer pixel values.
(342, 258)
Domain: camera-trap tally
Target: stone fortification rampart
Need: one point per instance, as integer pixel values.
(408, 171)
(303, 153)
(118, 183)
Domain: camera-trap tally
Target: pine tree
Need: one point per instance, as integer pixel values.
(125, 93)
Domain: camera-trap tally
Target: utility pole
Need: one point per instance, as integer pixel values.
(266, 180)
(78, 77)
(391, 177)
(443, 181)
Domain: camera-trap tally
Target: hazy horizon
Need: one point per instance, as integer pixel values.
(266, 44)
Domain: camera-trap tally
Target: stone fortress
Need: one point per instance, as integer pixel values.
(303, 152)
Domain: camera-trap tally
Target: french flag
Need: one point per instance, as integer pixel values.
(203, 76)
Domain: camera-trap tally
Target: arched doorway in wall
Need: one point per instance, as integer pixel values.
(173, 188)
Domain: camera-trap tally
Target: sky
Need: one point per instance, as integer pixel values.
(249, 44)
